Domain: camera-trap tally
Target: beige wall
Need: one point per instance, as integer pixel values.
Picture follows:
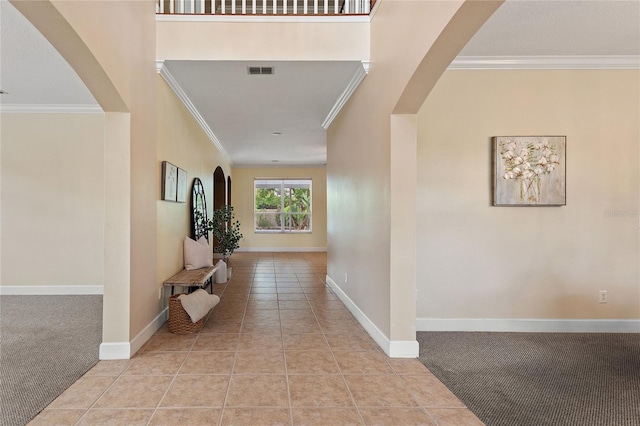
(111, 45)
(363, 170)
(242, 198)
(269, 41)
(478, 261)
(53, 199)
(183, 143)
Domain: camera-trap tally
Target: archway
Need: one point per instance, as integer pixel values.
(219, 189)
(229, 190)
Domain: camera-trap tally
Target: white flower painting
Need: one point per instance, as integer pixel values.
(529, 170)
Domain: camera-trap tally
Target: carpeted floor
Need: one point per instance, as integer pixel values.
(521, 379)
(46, 344)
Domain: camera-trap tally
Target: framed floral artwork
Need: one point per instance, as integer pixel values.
(529, 170)
(169, 181)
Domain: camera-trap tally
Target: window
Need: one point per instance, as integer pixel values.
(282, 205)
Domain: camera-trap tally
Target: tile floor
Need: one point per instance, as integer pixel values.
(279, 349)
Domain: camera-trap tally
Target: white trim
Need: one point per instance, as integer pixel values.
(283, 249)
(120, 350)
(530, 325)
(51, 109)
(180, 93)
(54, 290)
(395, 349)
(356, 79)
(264, 18)
(149, 331)
(630, 62)
(125, 350)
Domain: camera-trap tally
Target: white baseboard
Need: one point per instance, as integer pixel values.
(149, 331)
(54, 290)
(395, 349)
(116, 350)
(125, 350)
(283, 249)
(529, 325)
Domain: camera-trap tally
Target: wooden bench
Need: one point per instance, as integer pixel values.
(200, 278)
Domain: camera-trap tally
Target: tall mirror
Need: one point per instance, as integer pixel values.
(198, 210)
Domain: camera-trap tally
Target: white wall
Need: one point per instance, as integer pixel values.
(53, 203)
(483, 262)
(242, 198)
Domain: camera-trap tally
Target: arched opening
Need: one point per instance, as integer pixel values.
(229, 190)
(219, 189)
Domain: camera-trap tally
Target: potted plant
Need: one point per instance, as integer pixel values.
(225, 230)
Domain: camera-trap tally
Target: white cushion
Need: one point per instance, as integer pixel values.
(197, 254)
(198, 303)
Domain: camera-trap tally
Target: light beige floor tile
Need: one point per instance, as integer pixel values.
(258, 391)
(311, 362)
(362, 362)
(156, 363)
(454, 417)
(262, 327)
(407, 366)
(222, 326)
(115, 417)
(170, 342)
(196, 391)
(256, 416)
(430, 392)
(208, 363)
(83, 393)
(57, 417)
(260, 342)
(325, 416)
(379, 391)
(259, 362)
(186, 416)
(319, 391)
(300, 326)
(109, 368)
(135, 392)
(304, 342)
(351, 342)
(395, 417)
(216, 342)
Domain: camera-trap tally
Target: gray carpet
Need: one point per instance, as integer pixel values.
(46, 344)
(521, 379)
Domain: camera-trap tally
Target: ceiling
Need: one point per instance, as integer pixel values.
(244, 111)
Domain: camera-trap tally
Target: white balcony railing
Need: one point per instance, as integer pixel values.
(264, 7)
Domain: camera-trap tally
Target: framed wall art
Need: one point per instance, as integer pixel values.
(169, 181)
(529, 170)
(182, 186)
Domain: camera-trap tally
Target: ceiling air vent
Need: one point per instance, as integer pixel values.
(260, 70)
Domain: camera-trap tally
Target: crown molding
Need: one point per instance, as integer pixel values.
(51, 109)
(630, 62)
(357, 78)
(180, 93)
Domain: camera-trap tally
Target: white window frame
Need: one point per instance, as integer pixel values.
(283, 185)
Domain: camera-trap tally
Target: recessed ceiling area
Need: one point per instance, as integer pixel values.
(261, 117)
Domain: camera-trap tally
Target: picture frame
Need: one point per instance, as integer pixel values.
(181, 196)
(529, 171)
(169, 181)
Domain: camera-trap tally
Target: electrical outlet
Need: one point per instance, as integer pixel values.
(160, 293)
(346, 277)
(602, 296)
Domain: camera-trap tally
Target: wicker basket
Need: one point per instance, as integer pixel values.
(179, 320)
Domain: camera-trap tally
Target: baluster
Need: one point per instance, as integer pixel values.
(346, 6)
(244, 7)
(336, 6)
(295, 7)
(171, 6)
(264, 7)
(222, 7)
(213, 7)
(253, 7)
(367, 6)
(315, 7)
(275, 6)
(284, 7)
(233, 7)
(326, 7)
(306, 7)
(192, 6)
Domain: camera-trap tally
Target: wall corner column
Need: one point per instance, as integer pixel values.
(404, 173)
